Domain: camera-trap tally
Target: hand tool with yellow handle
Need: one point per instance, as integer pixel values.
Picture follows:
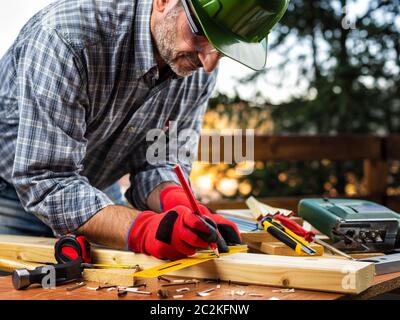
(277, 230)
(309, 235)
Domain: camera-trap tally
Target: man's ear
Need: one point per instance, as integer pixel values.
(162, 6)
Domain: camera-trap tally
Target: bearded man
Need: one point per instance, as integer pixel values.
(83, 84)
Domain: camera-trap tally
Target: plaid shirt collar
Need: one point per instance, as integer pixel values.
(144, 54)
(145, 60)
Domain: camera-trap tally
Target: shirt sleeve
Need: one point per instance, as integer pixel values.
(145, 180)
(51, 144)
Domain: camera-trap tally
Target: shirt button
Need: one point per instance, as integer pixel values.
(131, 130)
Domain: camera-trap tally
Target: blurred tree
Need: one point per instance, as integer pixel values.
(345, 54)
(352, 66)
(234, 113)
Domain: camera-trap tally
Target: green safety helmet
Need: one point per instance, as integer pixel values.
(237, 28)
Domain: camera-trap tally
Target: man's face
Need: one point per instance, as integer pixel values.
(182, 50)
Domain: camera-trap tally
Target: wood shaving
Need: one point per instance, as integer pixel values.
(182, 290)
(106, 287)
(284, 291)
(179, 281)
(205, 293)
(192, 281)
(134, 290)
(178, 296)
(256, 295)
(240, 292)
(92, 288)
(274, 298)
(76, 286)
(131, 289)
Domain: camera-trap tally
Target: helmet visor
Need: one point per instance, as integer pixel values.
(228, 44)
(194, 36)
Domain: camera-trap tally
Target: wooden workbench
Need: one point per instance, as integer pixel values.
(382, 284)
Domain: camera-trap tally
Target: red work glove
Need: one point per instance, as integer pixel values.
(173, 235)
(175, 195)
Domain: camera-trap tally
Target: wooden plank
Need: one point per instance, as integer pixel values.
(366, 255)
(332, 275)
(30, 249)
(9, 265)
(392, 147)
(382, 284)
(289, 203)
(300, 148)
(41, 250)
(257, 248)
(280, 249)
(119, 277)
(257, 236)
(376, 178)
(243, 214)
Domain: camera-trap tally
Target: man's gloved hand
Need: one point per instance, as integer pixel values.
(173, 235)
(175, 195)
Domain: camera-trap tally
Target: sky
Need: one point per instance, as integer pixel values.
(15, 13)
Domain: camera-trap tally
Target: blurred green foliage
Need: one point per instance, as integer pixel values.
(352, 68)
(305, 178)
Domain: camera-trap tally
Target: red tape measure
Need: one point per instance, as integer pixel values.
(71, 247)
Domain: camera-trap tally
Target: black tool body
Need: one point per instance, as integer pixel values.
(64, 272)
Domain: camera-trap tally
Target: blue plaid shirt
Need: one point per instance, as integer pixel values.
(79, 90)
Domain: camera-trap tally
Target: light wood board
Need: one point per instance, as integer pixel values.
(281, 249)
(331, 275)
(9, 265)
(257, 236)
(118, 277)
(263, 236)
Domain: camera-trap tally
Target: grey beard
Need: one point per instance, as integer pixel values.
(165, 36)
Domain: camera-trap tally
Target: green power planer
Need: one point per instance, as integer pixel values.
(353, 225)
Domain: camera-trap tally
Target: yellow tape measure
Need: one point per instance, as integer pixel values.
(184, 263)
(107, 266)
